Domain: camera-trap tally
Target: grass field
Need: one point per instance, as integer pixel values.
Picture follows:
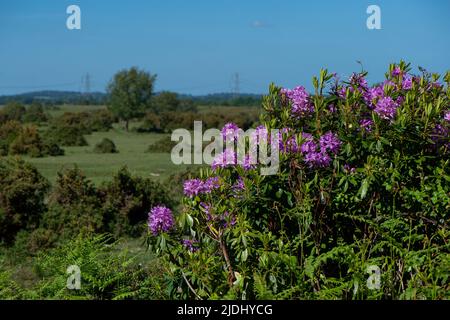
(132, 148)
(131, 145)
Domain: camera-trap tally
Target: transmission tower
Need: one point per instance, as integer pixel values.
(86, 86)
(235, 84)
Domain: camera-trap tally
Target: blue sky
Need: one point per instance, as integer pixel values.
(196, 46)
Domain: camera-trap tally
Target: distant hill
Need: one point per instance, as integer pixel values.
(75, 97)
(57, 97)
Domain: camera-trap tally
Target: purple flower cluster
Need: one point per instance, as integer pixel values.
(386, 108)
(238, 185)
(330, 142)
(299, 97)
(160, 219)
(317, 157)
(190, 245)
(193, 187)
(230, 132)
(366, 124)
(407, 83)
(224, 159)
(396, 71)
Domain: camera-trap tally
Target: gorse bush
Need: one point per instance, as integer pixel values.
(105, 146)
(22, 195)
(363, 185)
(16, 139)
(125, 200)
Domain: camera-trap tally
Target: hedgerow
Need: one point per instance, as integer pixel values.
(363, 186)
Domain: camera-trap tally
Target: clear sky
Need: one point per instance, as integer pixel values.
(195, 46)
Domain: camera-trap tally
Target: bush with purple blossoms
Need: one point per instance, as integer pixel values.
(364, 180)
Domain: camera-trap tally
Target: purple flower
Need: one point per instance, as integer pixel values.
(330, 142)
(301, 106)
(226, 220)
(332, 108)
(160, 219)
(386, 108)
(193, 187)
(224, 159)
(207, 209)
(366, 124)
(191, 245)
(407, 83)
(317, 159)
(358, 80)
(308, 146)
(372, 94)
(210, 184)
(396, 71)
(230, 131)
(238, 185)
(349, 169)
(248, 162)
(447, 116)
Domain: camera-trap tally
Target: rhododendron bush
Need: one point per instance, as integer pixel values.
(359, 207)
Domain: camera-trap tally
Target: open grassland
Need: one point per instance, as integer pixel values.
(132, 153)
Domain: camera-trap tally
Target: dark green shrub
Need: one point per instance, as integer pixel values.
(35, 113)
(105, 146)
(52, 149)
(163, 145)
(13, 111)
(8, 133)
(74, 206)
(22, 194)
(65, 135)
(27, 142)
(101, 120)
(126, 201)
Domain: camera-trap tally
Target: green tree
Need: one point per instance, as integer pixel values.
(130, 93)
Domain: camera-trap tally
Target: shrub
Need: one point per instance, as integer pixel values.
(35, 113)
(100, 120)
(74, 206)
(105, 146)
(22, 194)
(363, 184)
(13, 111)
(65, 135)
(27, 142)
(126, 199)
(163, 145)
(8, 133)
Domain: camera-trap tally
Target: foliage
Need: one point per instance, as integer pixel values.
(130, 93)
(169, 101)
(35, 113)
(363, 184)
(106, 273)
(105, 146)
(22, 194)
(168, 121)
(12, 111)
(126, 201)
(74, 206)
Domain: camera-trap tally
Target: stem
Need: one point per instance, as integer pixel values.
(190, 286)
(231, 277)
